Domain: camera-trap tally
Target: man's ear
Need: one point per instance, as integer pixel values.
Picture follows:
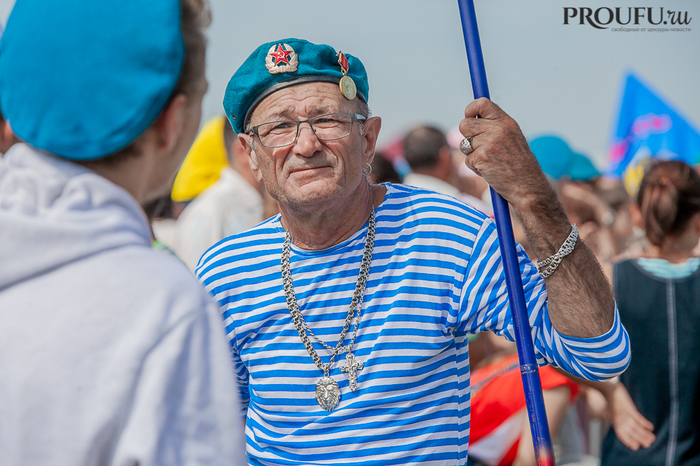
(248, 145)
(370, 133)
(169, 123)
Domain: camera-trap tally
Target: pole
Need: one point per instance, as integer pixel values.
(526, 351)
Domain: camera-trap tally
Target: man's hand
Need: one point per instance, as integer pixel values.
(501, 154)
(580, 299)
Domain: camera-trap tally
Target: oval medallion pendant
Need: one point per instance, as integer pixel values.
(348, 87)
(327, 393)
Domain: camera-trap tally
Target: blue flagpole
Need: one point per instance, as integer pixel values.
(526, 351)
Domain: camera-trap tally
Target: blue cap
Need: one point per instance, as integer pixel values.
(558, 160)
(83, 79)
(283, 63)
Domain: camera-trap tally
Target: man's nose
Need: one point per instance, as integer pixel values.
(307, 142)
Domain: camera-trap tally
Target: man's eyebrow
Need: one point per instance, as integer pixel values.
(322, 110)
(285, 114)
(289, 113)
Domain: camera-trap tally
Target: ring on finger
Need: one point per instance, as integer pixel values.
(466, 146)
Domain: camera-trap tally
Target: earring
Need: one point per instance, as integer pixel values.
(367, 170)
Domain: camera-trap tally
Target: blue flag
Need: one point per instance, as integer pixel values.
(648, 128)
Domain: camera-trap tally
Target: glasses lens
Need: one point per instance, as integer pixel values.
(277, 133)
(332, 126)
(326, 128)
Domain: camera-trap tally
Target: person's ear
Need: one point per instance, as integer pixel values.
(249, 147)
(7, 136)
(170, 122)
(696, 219)
(370, 133)
(636, 216)
(445, 155)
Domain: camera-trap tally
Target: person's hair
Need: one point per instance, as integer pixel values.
(229, 138)
(159, 208)
(421, 146)
(195, 18)
(668, 197)
(383, 170)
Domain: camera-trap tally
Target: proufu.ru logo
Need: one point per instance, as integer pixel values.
(628, 18)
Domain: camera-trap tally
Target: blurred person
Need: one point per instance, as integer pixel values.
(627, 235)
(426, 150)
(110, 353)
(500, 427)
(500, 431)
(594, 217)
(200, 169)
(462, 177)
(232, 204)
(383, 171)
(202, 165)
(658, 296)
(348, 313)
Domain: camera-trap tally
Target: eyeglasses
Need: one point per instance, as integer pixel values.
(286, 132)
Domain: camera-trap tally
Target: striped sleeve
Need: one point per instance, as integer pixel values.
(242, 377)
(485, 306)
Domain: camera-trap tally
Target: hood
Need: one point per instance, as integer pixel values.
(54, 212)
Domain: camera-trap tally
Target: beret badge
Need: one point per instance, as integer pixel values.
(346, 84)
(281, 58)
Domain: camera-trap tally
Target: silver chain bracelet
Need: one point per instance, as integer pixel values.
(547, 266)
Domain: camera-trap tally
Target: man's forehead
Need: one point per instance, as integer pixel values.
(307, 99)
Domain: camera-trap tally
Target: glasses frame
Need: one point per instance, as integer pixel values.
(353, 118)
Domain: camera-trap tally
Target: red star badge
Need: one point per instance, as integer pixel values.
(280, 55)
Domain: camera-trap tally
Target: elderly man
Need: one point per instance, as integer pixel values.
(348, 313)
(110, 353)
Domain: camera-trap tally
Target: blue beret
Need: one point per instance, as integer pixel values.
(276, 65)
(83, 79)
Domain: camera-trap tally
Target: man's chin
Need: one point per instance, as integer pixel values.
(314, 191)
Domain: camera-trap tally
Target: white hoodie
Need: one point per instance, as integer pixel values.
(110, 353)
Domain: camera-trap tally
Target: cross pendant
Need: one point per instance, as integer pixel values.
(351, 366)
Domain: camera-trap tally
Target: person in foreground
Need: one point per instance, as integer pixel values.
(348, 313)
(659, 299)
(110, 353)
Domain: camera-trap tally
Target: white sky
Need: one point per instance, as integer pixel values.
(552, 78)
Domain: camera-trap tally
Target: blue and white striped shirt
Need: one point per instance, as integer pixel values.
(436, 276)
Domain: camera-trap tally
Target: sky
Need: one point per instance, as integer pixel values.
(553, 78)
